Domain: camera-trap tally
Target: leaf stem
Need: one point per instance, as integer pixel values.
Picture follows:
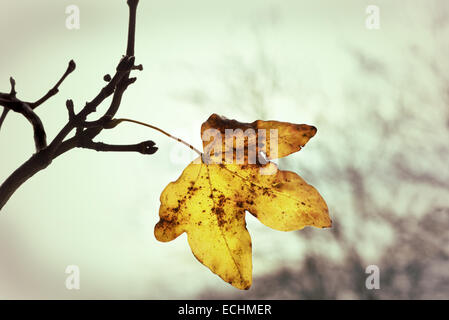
(115, 122)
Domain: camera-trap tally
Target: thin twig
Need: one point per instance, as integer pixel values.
(3, 100)
(3, 116)
(70, 68)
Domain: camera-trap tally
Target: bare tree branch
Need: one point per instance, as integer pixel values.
(85, 131)
(9, 101)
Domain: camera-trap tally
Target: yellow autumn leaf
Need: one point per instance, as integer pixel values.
(209, 199)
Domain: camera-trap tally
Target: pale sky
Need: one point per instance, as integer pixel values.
(193, 53)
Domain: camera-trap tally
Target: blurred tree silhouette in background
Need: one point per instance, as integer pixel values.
(384, 174)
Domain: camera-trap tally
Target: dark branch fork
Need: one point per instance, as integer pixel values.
(85, 131)
(9, 102)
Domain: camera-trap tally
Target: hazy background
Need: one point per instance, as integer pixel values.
(379, 98)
